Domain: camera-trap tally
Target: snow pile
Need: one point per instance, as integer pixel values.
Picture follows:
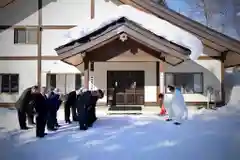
(150, 22)
(232, 87)
(234, 97)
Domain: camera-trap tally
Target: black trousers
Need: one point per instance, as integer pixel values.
(40, 125)
(22, 118)
(74, 113)
(51, 120)
(91, 116)
(67, 111)
(83, 119)
(30, 114)
(55, 116)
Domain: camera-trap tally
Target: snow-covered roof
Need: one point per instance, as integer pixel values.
(150, 22)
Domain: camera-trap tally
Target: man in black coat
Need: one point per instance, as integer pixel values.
(70, 105)
(83, 106)
(41, 108)
(54, 103)
(22, 106)
(92, 107)
(59, 101)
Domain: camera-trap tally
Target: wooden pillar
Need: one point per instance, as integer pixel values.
(223, 58)
(162, 80)
(86, 72)
(39, 46)
(158, 80)
(92, 11)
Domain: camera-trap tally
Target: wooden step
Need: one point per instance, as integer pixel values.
(125, 108)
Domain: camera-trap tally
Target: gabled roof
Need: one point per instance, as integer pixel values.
(169, 52)
(209, 37)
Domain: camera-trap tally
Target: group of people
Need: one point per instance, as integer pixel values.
(174, 104)
(82, 104)
(43, 104)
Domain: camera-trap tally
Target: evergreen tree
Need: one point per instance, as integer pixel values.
(162, 2)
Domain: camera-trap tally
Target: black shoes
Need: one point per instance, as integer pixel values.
(57, 125)
(68, 121)
(177, 123)
(24, 128)
(52, 129)
(41, 135)
(83, 128)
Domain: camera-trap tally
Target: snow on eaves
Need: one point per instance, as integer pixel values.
(150, 22)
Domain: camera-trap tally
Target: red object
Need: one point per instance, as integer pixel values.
(163, 110)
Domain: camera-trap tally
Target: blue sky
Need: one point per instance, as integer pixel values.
(177, 4)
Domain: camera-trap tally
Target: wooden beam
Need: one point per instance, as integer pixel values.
(157, 81)
(58, 27)
(21, 58)
(223, 94)
(92, 9)
(86, 72)
(39, 48)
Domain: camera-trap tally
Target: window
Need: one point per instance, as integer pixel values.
(9, 83)
(78, 81)
(25, 36)
(189, 83)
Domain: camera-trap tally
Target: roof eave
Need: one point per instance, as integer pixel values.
(135, 32)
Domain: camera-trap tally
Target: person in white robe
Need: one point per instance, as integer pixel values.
(179, 107)
(168, 103)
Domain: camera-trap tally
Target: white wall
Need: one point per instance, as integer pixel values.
(51, 39)
(211, 70)
(8, 48)
(27, 71)
(65, 12)
(100, 76)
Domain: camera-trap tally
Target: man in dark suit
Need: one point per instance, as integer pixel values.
(59, 101)
(83, 106)
(41, 108)
(22, 106)
(53, 103)
(92, 107)
(70, 105)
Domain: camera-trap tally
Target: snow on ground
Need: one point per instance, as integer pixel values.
(207, 135)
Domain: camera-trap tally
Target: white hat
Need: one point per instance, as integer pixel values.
(56, 90)
(83, 89)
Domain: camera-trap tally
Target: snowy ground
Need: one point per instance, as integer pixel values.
(208, 135)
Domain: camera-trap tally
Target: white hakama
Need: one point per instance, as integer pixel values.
(179, 107)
